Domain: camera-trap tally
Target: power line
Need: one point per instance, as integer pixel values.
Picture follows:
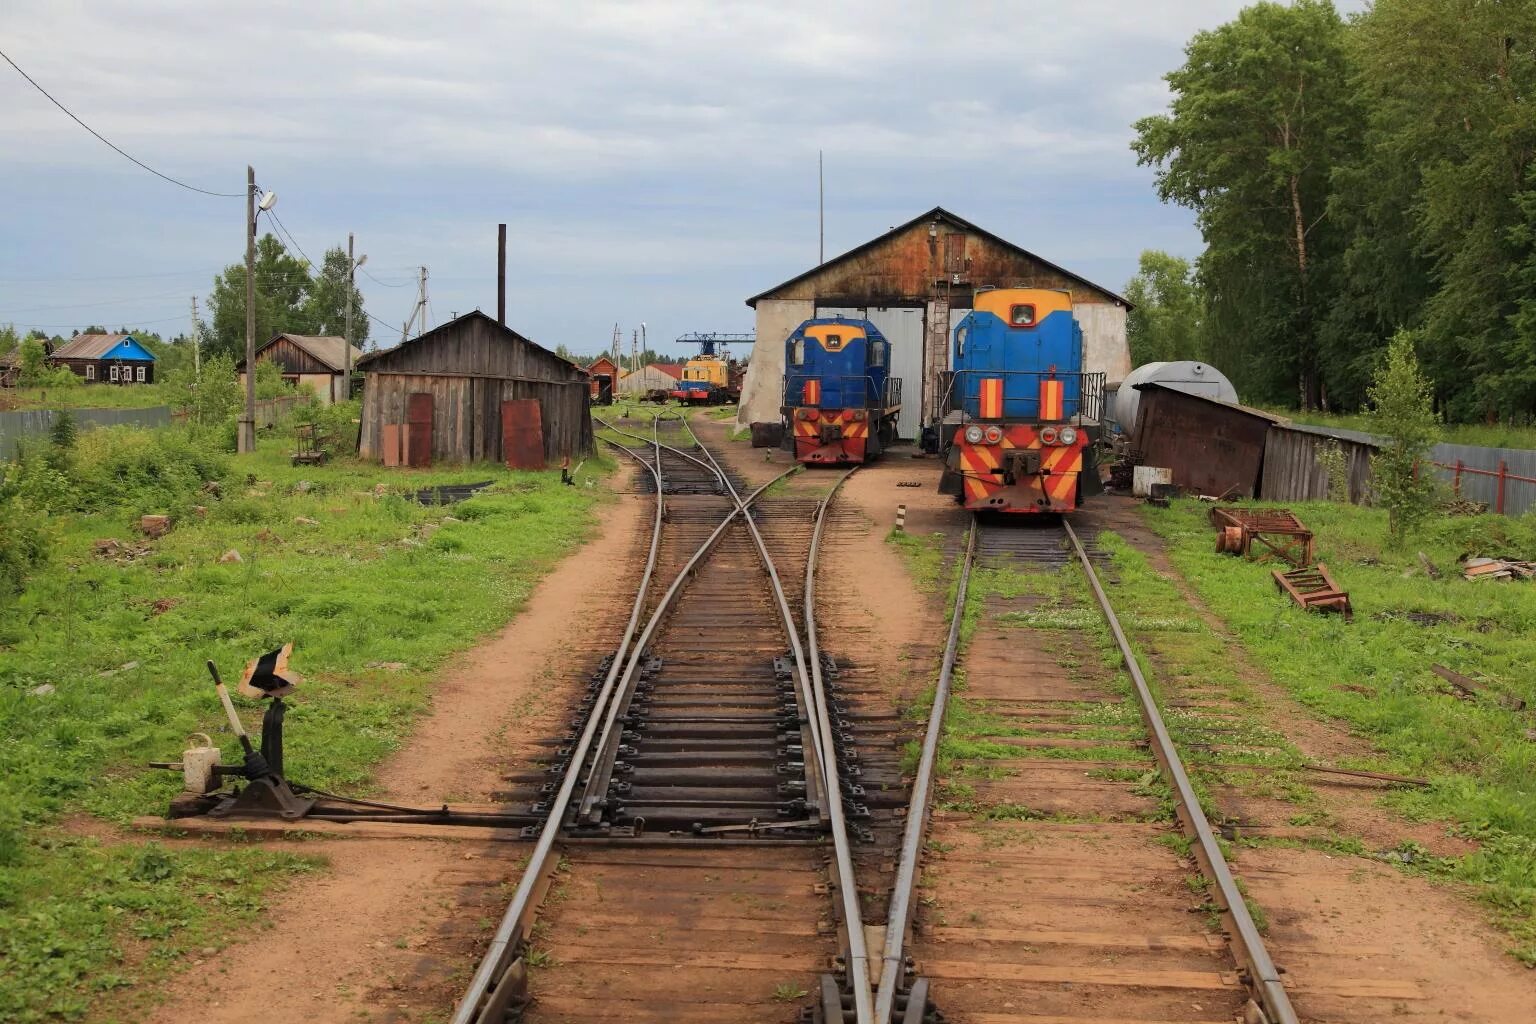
(110, 143)
(386, 284)
(283, 228)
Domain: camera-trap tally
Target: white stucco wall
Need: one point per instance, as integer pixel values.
(1105, 348)
(760, 391)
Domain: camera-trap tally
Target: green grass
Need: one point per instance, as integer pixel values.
(375, 594)
(1486, 435)
(93, 396)
(1374, 674)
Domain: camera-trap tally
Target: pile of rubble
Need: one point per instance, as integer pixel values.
(1498, 569)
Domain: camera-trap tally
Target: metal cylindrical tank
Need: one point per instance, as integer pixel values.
(1182, 375)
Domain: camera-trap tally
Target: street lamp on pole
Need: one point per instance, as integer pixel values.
(352, 265)
(246, 435)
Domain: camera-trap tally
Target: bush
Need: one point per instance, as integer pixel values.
(269, 381)
(126, 467)
(1404, 414)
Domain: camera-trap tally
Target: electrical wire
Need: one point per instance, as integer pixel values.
(283, 229)
(110, 143)
(386, 284)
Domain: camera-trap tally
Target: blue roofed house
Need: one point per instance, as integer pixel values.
(106, 359)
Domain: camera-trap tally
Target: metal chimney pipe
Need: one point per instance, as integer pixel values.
(501, 274)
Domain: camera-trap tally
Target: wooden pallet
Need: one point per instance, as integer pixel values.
(1315, 590)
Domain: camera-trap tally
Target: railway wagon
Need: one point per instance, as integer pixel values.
(840, 402)
(1022, 416)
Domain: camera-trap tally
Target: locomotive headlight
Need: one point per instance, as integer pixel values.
(858, 414)
(973, 434)
(994, 434)
(1048, 435)
(1068, 435)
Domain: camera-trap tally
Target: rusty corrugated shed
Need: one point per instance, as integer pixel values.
(1211, 447)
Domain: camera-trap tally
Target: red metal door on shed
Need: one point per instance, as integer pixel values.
(522, 434)
(418, 429)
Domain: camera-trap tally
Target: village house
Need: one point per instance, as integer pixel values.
(106, 359)
(309, 361)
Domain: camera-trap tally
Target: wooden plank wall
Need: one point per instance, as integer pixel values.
(474, 346)
(1292, 472)
(466, 414)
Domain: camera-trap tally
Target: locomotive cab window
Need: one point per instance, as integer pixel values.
(1021, 315)
(960, 337)
(797, 352)
(877, 354)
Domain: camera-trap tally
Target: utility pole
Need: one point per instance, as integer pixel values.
(420, 310)
(246, 435)
(821, 211)
(197, 344)
(346, 347)
(617, 358)
(634, 350)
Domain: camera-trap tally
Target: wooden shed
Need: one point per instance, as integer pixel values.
(472, 390)
(1292, 471)
(1211, 447)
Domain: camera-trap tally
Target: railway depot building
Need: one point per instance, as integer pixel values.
(473, 390)
(913, 283)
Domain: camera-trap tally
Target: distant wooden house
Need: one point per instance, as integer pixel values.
(309, 361)
(106, 359)
(473, 390)
(663, 376)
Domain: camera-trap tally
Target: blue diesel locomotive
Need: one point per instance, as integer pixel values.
(840, 402)
(1023, 416)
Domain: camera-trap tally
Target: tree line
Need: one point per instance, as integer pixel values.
(1351, 178)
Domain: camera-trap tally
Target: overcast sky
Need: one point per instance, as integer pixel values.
(654, 162)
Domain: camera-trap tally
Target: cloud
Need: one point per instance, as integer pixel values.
(656, 160)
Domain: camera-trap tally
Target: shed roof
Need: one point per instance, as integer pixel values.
(436, 333)
(940, 214)
(96, 346)
(328, 349)
(1268, 417)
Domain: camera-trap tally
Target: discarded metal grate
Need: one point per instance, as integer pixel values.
(1314, 590)
(1239, 529)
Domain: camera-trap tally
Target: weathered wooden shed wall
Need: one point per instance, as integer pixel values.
(470, 366)
(1210, 447)
(1292, 471)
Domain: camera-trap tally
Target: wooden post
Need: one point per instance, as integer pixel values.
(1458, 478)
(1498, 505)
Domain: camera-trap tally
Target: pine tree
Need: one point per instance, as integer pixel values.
(1404, 415)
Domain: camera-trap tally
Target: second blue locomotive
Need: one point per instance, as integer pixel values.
(840, 402)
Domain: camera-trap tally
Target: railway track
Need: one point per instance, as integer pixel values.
(695, 858)
(1038, 879)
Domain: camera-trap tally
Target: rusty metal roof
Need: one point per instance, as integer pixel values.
(88, 346)
(1269, 417)
(937, 213)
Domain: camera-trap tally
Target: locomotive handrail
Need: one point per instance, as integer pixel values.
(1090, 397)
(868, 380)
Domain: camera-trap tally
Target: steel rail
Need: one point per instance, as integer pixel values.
(858, 952)
(1263, 980)
(899, 917)
(822, 775)
(853, 914)
(491, 987)
(605, 751)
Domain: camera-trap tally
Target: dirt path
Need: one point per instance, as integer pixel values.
(1332, 913)
(390, 931)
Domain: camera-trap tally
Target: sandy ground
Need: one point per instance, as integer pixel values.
(390, 930)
